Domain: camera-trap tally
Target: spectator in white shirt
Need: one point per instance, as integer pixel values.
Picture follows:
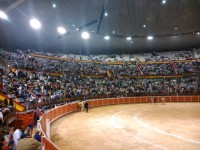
(17, 136)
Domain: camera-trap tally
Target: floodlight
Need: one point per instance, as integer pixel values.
(129, 38)
(54, 5)
(3, 15)
(106, 37)
(150, 37)
(61, 30)
(164, 1)
(85, 35)
(35, 23)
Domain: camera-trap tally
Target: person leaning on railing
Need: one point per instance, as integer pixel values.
(37, 136)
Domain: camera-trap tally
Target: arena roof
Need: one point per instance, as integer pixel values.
(174, 24)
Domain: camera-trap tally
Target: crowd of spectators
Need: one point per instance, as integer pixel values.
(21, 138)
(125, 70)
(157, 69)
(187, 67)
(38, 85)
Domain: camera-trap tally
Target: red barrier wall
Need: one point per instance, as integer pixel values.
(48, 144)
(27, 119)
(65, 109)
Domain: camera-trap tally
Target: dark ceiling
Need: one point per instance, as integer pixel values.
(125, 17)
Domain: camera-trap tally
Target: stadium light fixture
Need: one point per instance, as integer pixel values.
(61, 30)
(85, 35)
(129, 38)
(3, 15)
(106, 37)
(54, 5)
(150, 37)
(164, 1)
(35, 24)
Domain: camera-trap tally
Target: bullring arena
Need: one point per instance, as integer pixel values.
(99, 74)
(134, 123)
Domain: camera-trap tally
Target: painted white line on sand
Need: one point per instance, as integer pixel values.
(140, 139)
(144, 141)
(146, 125)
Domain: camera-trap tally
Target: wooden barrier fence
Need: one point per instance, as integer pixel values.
(56, 113)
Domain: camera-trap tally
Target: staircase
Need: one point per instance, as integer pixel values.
(138, 67)
(174, 68)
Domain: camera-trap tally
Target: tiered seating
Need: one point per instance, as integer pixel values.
(111, 75)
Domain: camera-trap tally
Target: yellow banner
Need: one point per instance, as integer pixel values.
(17, 105)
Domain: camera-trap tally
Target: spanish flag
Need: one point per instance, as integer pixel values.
(17, 105)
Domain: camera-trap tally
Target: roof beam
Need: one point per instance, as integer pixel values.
(14, 5)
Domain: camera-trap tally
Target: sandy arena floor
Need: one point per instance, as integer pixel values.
(173, 126)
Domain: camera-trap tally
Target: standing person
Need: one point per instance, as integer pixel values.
(17, 136)
(36, 116)
(86, 106)
(79, 105)
(10, 136)
(163, 100)
(155, 100)
(82, 106)
(152, 100)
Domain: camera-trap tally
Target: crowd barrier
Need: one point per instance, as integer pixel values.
(56, 113)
